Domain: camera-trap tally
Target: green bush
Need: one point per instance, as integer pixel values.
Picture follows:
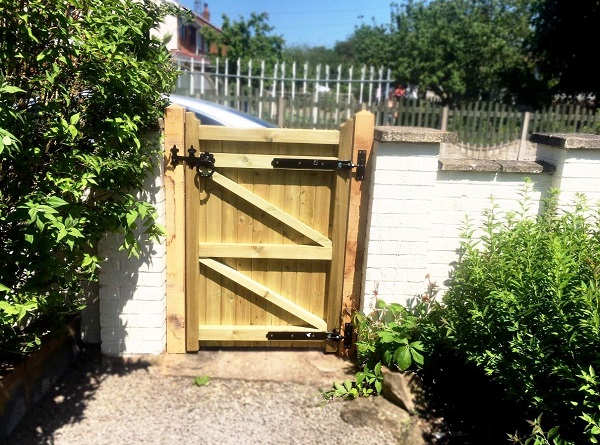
(81, 82)
(524, 305)
(390, 335)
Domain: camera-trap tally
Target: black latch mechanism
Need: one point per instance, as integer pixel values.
(204, 164)
(335, 335)
(324, 164)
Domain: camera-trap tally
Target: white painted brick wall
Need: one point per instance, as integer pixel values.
(399, 223)
(417, 213)
(133, 291)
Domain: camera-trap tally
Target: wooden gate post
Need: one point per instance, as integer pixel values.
(175, 226)
(364, 128)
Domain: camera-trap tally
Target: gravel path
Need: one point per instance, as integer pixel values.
(101, 401)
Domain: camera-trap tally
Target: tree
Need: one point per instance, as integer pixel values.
(313, 55)
(460, 49)
(369, 45)
(251, 39)
(564, 43)
(81, 83)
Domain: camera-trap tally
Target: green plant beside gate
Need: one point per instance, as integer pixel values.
(81, 83)
(523, 306)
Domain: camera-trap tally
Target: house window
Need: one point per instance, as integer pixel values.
(201, 44)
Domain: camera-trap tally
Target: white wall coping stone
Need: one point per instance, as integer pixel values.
(414, 135)
(568, 140)
(496, 166)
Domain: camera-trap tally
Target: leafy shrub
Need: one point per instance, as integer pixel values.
(391, 335)
(524, 304)
(81, 82)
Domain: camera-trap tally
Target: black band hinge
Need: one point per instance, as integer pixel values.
(323, 164)
(333, 336)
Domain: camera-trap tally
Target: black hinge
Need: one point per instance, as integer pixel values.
(324, 164)
(204, 163)
(335, 335)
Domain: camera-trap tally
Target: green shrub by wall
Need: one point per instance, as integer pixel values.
(80, 82)
(524, 305)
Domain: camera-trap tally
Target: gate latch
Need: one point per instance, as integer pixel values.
(335, 335)
(204, 164)
(324, 164)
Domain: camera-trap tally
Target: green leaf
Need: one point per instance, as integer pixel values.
(377, 369)
(417, 357)
(202, 380)
(11, 89)
(402, 358)
(61, 234)
(8, 308)
(417, 345)
(74, 118)
(132, 216)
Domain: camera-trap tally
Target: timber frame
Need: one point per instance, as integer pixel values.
(343, 250)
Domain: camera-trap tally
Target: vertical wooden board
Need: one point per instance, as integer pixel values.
(275, 236)
(192, 222)
(213, 208)
(244, 235)
(304, 295)
(339, 209)
(209, 230)
(322, 220)
(229, 234)
(291, 197)
(258, 310)
(358, 207)
(175, 227)
(205, 187)
(364, 127)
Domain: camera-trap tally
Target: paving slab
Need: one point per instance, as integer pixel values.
(297, 366)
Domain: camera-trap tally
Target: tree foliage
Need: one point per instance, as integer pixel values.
(369, 45)
(520, 51)
(314, 55)
(564, 43)
(460, 49)
(81, 82)
(246, 39)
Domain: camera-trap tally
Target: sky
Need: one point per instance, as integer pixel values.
(308, 22)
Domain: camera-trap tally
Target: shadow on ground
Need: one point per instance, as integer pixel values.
(66, 402)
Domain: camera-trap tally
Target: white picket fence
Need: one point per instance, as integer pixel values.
(225, 77)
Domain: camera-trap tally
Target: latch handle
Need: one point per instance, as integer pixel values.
(204, 164)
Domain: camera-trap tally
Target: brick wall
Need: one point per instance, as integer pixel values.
(132, 291)
(420, 202)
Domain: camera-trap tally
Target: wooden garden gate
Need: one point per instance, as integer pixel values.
(256, 244)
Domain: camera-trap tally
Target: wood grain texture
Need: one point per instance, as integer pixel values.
(192, 214)
(266, 293)
(270, 135)
(175, 228)
(364, 128)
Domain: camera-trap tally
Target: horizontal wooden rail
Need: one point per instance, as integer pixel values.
(274, 135)
(234, 160)
(246, 332)
(273, 251)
